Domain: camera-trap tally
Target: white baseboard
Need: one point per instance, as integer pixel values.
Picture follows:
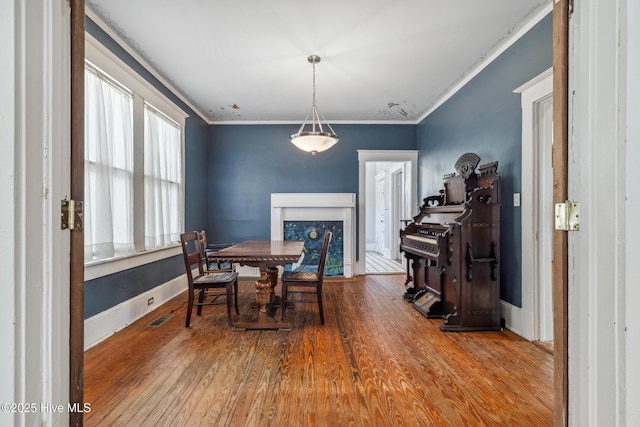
(247, 272)
(371, 247)
(512, 316)
(103, 325)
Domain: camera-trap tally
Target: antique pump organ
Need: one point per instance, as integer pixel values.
(453, 247)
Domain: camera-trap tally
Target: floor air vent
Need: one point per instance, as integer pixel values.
(160, 320)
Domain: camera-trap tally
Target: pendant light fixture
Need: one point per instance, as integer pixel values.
(316, 139)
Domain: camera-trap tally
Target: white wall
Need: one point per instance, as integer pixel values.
(632, 272)
(7, 216)
(34, 252)
(603, 295)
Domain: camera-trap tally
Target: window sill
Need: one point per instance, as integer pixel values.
(100, 268)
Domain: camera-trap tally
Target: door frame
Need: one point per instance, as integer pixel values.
(534, 234)
(410, 157)
(398, 205)
(381, 246)
(560, 160)
(76, 285)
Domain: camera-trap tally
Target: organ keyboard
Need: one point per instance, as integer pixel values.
(452, 246)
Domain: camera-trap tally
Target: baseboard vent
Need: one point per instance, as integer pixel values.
(160, 320)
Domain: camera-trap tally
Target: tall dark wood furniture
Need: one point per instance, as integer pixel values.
(453, 246)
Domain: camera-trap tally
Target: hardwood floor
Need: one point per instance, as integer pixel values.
(376, 362)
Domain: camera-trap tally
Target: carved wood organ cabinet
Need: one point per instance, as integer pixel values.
(452, 249)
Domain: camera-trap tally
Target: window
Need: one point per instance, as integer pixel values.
(134, 192)
(108, 171)
(162, 179)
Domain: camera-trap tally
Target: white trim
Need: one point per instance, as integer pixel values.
(105, 267)
(105, 60)
(597, 287)
(10, 353)
(298, 122)
(398, 212)
(317, 206)
(448, 94)
(537, 88)
(247, 272)
(95, 18)
(471, 74)
(103, 325)
(34, 158)
(629, 34)
(411, 176)
(382, 247)
(488, 60)
(513, 318)
(534, 81)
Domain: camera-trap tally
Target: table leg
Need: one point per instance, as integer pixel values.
(263, 294)
(267, 302)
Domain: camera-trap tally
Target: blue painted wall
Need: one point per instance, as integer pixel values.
(231, 170)
(108, 291)
(249, 162)
(485, 117)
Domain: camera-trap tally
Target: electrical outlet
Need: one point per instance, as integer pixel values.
(516, 199)
(150, 301)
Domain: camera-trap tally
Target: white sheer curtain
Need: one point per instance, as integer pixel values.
(108, 206)
(162, 179)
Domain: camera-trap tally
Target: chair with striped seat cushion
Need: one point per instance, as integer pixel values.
(208, 287)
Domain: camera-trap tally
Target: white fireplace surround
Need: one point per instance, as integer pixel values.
(317, 207)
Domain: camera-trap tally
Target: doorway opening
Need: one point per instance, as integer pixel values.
(387, 210)
(388, 183)
(537, 196)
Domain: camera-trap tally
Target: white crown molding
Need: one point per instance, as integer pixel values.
(454, 89)
(107, 29)
(299, 122)
(489, 59)
(534, 81)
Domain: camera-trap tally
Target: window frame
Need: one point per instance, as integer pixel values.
(103, 59)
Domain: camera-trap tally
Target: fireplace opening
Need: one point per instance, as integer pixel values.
(312, 232)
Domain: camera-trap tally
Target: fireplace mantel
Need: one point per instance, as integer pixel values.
(317, 207)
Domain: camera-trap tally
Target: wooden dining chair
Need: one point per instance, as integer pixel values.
(301, 286)
(205, 286)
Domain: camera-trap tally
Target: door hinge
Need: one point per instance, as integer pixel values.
(568, 216)
(570, 11)
(71, 214)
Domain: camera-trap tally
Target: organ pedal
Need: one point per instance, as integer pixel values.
(424, 303)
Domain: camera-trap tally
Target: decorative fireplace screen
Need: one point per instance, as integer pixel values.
(312, 232)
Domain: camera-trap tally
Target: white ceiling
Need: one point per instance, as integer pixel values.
(382, 61)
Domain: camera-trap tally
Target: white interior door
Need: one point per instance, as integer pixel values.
(366, 192)
(380, 216)
(397, 210)
(544, 143)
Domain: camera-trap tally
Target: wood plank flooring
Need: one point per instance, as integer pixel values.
(376, 362)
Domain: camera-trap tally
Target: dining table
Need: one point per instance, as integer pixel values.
(267, 255)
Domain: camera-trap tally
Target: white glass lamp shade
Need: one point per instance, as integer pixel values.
(314, 142)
